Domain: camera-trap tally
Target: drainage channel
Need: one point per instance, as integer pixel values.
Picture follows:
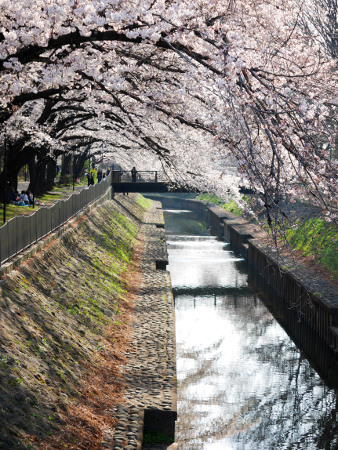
(242, 382)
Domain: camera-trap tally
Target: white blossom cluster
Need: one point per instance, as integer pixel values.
(220, 94)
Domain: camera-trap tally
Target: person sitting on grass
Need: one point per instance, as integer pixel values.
(23, 199)
(30, 198)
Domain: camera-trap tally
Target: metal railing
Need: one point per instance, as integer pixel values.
(142, 176)
(21, 232)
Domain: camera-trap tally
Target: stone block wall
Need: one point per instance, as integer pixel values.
(314, 299)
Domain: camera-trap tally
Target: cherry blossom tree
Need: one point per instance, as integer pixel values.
(320, 18)
(220, 94)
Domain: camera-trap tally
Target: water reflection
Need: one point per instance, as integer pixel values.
(242, 383)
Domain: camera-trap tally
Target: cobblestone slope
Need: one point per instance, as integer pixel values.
(151, 370)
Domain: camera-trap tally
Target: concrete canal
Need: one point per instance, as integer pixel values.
(242, 381)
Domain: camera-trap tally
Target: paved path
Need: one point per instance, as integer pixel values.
(151, 370)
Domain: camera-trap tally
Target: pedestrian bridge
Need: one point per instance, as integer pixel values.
(146, 181)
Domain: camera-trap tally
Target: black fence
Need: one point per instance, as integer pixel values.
(21, 232)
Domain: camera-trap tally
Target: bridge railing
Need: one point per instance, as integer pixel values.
(142, 176)
(21, 232)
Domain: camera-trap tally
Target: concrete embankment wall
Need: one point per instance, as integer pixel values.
(66, 315)
(313, 301)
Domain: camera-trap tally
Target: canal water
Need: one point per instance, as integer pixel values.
(242, 382)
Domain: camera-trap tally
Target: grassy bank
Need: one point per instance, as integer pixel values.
(57, 193)
(317, 239)
(143, 202)
(63, 321)
(230, 205)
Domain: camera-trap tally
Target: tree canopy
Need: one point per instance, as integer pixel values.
(219, 94)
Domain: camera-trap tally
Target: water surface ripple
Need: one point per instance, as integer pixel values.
(242, 382)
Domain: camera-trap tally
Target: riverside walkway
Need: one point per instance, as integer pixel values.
(150, 395)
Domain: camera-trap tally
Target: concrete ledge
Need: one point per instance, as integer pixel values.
(161, 264)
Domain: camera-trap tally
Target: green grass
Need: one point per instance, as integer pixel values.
(145, 203)
(12, 211)
(53, 195)
(154, 437)
(230, 205)
(58, 192)
(210, 198)
(233, 207)
(316, 238)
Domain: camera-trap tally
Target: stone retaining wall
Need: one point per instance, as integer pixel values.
(151, 395)
(314, 299)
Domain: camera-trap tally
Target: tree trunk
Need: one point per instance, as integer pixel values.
(9, 174)
(37, 170)
(11, 181)
(32, 175)
(41, 186)
(79, 164)
(66, 170)
(51, 174)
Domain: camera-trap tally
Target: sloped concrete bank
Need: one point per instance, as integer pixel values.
(59, 323)
(312, 301)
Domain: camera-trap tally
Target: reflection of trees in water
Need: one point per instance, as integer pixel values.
(271, 353)
(205, 367)
(247, 311)
(292, 420)
(188, 227)
(306, 401)
(214, 430)
(297, 410)
(296, 415)
(191, 416)
(267, 424)
(327, 435)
